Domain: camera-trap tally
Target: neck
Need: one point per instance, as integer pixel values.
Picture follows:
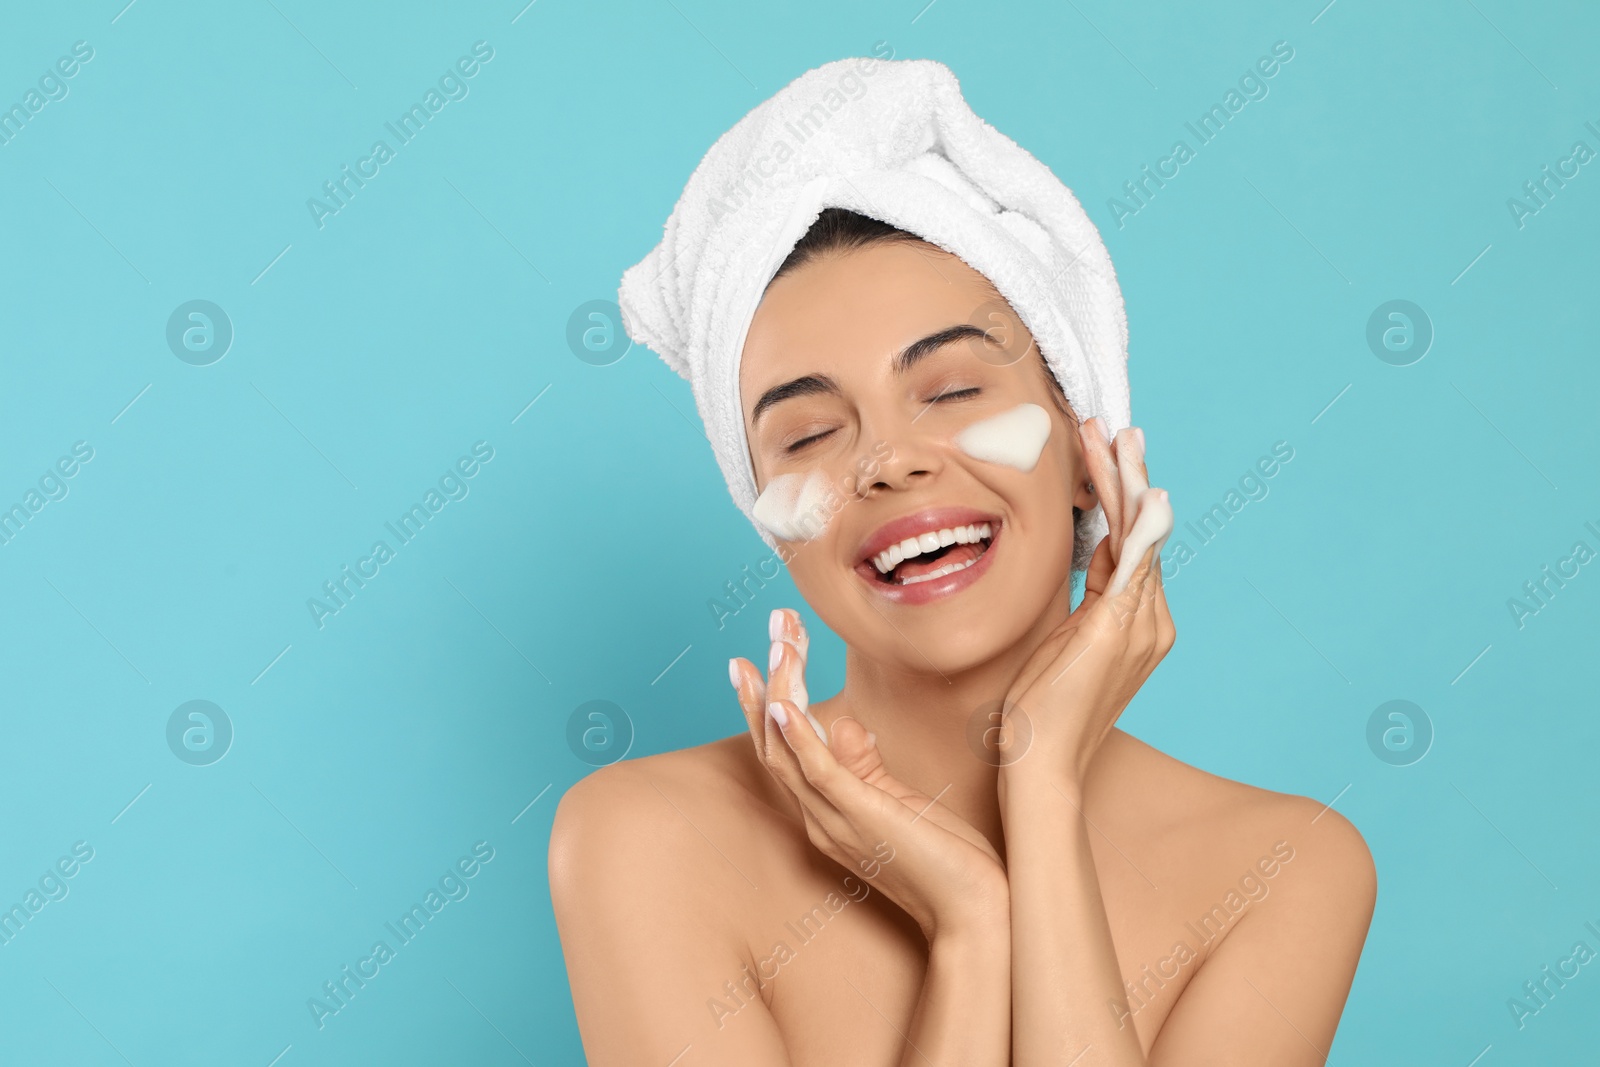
(931, 723)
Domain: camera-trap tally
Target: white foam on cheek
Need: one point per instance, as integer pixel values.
(794, 507)
(1012, 438)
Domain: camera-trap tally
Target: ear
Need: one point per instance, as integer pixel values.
(1084, 496)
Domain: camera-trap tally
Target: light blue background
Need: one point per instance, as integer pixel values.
(428, 714)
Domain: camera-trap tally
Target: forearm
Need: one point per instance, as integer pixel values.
(1064, 972)
(963, 1016)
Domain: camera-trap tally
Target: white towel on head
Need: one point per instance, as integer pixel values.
(892, 139)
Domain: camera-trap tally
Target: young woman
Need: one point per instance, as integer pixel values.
(977, 867)
(957, 859)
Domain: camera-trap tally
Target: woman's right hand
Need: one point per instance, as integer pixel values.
(929, 861)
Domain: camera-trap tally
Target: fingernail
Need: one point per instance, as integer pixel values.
(1105, 431)
(872, 738)
(733, 672)
(1140, 431)
(779, 716)
(775, 624)
(1164, 497)
(777, 654)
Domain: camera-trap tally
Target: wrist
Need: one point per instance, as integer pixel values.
(1022, 786)
(981, 914)
(979, 929)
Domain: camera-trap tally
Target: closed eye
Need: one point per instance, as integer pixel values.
(956, 394)
(806, 441)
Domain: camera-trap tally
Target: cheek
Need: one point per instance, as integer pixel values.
(1041, 503)
(1012, 438)
(795, 507)
(822, 584)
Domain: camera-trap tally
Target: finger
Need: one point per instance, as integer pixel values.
(787, 621)
(1132, 478)
(783, 763)
(1103, 474)
(819, 772)
(789, 681)
(784, 752)
(1166, 630)
(1149, 531)
(771, 749)
(779, 755)
(748, 686)
(757, 696)
(856, 749)
(1098, 576)
(857, 752)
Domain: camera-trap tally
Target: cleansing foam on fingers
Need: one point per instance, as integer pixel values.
(1012, 438)
(1152, 527)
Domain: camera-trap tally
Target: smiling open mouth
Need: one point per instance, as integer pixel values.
(933, 554)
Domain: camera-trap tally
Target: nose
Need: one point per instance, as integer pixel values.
(915, 458)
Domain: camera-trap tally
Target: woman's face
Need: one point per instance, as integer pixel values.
(865, 365)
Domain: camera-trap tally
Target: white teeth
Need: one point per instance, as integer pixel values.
(931, 541)
(939, 572)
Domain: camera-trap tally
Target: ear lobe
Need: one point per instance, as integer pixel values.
(1084, 496)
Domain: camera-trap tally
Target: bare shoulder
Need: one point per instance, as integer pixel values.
(670, 826)
(1230, 829)
(654, 864)
(643, 808)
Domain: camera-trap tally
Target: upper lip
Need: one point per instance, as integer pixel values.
(926, 520)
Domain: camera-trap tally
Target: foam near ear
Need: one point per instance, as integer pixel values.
(1012, 438)
(793, 507)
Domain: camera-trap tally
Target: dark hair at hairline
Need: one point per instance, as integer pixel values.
(839, 230)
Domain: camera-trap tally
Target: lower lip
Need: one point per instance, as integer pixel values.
(937, 588)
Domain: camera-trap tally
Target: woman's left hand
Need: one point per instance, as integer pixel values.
(1077, 683)
(944, 873)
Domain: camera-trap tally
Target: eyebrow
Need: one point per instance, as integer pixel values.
(904, 360)
(930, 344)
(810, 385)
